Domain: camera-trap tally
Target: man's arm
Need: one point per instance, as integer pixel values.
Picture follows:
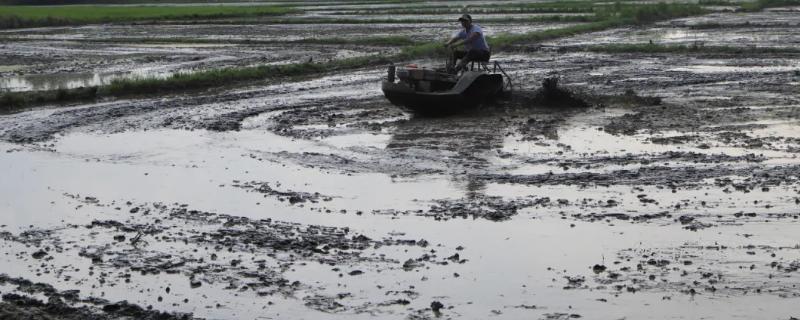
(451, 41)
(469, 38)
(472, 36)
(455, 40)
(474, 33)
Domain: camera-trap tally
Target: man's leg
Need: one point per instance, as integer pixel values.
(473, 55)
(457, 54)
(466, 57)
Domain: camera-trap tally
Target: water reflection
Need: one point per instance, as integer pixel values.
(471, 145)
(461, 144)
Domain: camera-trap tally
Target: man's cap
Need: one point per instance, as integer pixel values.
(465, 17)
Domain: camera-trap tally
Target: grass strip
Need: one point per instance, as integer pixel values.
(13, 101)
(658, 48)
(369, 41)
(759, 5)
(225, 76)
(293, 3)
(35, 16)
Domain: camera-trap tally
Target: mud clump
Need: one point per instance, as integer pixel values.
(552, 95)
(67, 305)
(292, 197)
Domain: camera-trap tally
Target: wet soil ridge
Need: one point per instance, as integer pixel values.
(292, 197)
(490, 208)
(68, 305)
(650, 159)
(666, 176)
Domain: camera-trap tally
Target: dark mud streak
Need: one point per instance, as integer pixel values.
(666, 176)
(690, 118)
(651, 158)
(67, 305)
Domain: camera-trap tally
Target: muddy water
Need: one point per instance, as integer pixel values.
(759, 29)
(198, 167)
(317, 199)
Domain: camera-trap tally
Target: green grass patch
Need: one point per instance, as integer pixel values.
(11, 101)
(213, 78)
(370, 41)
(33, 16)
(292, 3)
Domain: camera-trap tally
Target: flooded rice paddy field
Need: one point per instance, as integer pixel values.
(256, 31)
(316, 199)
(51, 64)
(70, 57)
(719, 29)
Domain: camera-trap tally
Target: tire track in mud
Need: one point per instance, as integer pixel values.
(671, 177)
(224, 111)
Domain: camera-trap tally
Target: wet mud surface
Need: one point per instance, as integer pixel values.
(671, 191)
